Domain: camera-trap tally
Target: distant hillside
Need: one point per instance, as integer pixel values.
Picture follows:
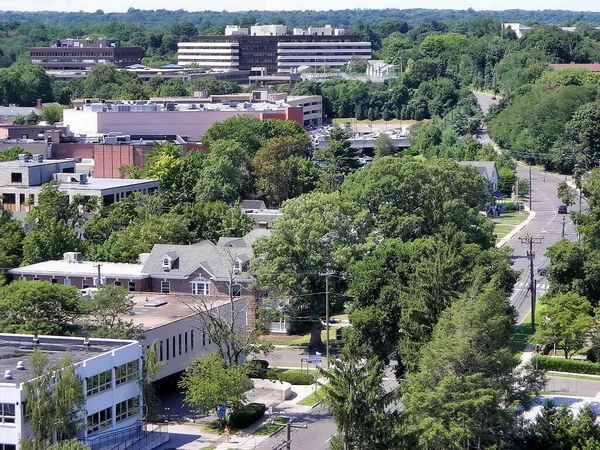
(340, 18)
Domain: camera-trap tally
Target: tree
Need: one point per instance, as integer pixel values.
(357, 64)
(32, 118)
(211, 381)
(54, 400)
(70, 444)
(11, 243)
(38, 307)
(582, 130)
(565, 321)
(336, 160)
(52, 114)
(12, 153)
(359, 404)
(566, 193)
(19, 120)
(109, 304)
(151, 367)
(384, 146)
(282, 170)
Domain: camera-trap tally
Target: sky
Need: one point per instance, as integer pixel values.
(238, 5)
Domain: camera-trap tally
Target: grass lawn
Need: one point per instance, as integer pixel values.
(299, 339)
(310, 399)
(269, 428)
(507, 222)
(522, 337)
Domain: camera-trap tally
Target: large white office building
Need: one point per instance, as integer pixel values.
(109, 369)
(291, 55)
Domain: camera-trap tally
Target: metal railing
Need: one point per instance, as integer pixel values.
(114, 437)
(158, 433)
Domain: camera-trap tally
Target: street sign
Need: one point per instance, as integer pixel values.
(314, 359)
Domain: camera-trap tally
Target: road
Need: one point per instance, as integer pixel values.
(485, 101)
(573, 386)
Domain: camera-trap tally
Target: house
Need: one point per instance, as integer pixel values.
(487, 169)
(8, 113)
(109, 369)
(518, 28)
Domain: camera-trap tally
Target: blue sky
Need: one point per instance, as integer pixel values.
(237, 5)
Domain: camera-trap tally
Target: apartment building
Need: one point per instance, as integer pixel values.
(110, 370)
(82, 54)
(272, 48)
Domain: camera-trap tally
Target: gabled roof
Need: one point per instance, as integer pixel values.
(485, 168)
(253, 204)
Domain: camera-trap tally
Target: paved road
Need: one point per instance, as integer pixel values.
(573, 386)
(485, 101)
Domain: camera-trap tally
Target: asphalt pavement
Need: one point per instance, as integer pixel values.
(485, 101)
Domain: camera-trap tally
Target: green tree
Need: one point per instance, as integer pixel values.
(54, 400)
(211, 381)
(565, 321)
(38, 307)
(384, 146)
(11, 243)
(52, 114)
(107, 309)
(357, 65)
(12, 153)
(282, 170)
(70, 444)
(566, 193)
(582, 130)
(359, 404)
(19, 120)
(336, 160)
(151, 367)
(32, 118)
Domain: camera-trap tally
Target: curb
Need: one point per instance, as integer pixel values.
(587, 375)
(517, 229)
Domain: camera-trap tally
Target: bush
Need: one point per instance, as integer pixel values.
(567, 365)
(257, 368)
(246, 415)
(512, 206)
(296, 377)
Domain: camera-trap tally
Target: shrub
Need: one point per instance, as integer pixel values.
(567, 365)
(246, 415)
(296, 377)
(257, 368)
(513, 206)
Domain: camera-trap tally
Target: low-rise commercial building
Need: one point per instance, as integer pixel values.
(110, 370)
(21, 182)
(81, 54)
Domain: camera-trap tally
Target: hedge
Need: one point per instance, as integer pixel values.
(297, 377)
(567, 365)
(246, 415)
(257, 368)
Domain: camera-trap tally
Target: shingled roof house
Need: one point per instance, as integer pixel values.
(203, 268)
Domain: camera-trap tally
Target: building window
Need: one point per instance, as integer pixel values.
(192, 339)
(203, 339)
(200, 287)
(85, 284)
(167, 344)
(160, 351)
(16, 177)
(236, 290)
(7, 412)
(174, 353)
(100, 420)
(127, 408)
(131, 286)
(186, 341)
(165, 287)
(67, 282)
(117, 283)
(54, 281)
(98, 383)
(126, 372)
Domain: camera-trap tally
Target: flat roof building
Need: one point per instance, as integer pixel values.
(81, 54)
(21, 182)
(270, 47)
(110, 370)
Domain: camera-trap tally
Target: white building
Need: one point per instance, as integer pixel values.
(219, 56)
(235, 30)
(327, 30)
(379, 69)
(110, 371)
(312, 106)
(291, 55)
(518, 28)
(21, 182)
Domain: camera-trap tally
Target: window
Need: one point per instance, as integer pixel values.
(16, 177)
(160, 351)
(127, 409)
(7, 412)
(85, 284)
(236, 290)
(99, 420)
(174, 353)
(98, 383)
(167, 344)
(54, 281)
(67, 282)
(192, 339)
(200, 287)
(165, 287)
(117, 283)
(126, 372)
(180, 347)
(186, 341)
(131, 286)
(203, 339)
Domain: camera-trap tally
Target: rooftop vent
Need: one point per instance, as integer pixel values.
(20, 365)
(8, 375)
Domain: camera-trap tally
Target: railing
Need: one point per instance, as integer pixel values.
(114, 437)
(158, 433)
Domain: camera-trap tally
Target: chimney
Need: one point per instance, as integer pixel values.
(38, 104)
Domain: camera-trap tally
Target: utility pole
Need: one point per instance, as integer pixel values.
(287, 443)
(531, 256)
(327, 274)
(530, 185)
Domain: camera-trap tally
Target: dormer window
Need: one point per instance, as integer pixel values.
(237, 267)
(166, 264)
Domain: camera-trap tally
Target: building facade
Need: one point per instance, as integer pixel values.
(109, 369)
(269, 47)
(82, 54)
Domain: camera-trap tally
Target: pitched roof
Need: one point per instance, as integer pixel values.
(485, 168)
(253, 204)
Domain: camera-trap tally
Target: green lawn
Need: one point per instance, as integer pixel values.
(310, 399)
(523, 335)
(507, 222)
(267, 429)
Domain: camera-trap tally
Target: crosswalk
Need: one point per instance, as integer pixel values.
(539, 286)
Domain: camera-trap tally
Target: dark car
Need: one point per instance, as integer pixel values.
(542, 271)
(562, 209)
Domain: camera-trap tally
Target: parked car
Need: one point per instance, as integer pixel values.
(562, 209)
(493, 97)
(542, 271)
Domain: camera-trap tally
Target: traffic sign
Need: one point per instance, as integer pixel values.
(314, 359)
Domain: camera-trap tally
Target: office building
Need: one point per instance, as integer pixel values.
(82, 54)
(110, 370)
(270, 48)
